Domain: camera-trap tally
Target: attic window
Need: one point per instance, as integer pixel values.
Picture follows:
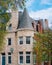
(10, 27)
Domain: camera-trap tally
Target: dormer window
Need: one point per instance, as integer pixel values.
(10, 27)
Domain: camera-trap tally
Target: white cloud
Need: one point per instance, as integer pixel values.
(29, 2)
(48, 2)
(42, 14)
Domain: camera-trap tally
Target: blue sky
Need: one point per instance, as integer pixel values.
(40, 9)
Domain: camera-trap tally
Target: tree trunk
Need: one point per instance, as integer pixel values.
(38, 63)
(49, 63)
(38, 60)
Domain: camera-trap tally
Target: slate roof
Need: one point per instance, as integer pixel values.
(24, 20)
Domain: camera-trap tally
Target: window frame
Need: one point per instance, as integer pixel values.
(21, 40)
(28, 41)
(20, 55)
(9, 41)
(10, 27)
(9, 56)
(28, 54)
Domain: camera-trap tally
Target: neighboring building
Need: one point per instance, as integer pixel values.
(19, 39)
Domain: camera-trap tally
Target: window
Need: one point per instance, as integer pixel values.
(37, 28)
(28, 40)
(21, 40)
(21, 57)
(9, 41)
(3, 59)
(9, 58)
(27, 57)
(10, 27)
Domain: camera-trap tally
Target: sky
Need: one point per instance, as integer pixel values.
(40, 9)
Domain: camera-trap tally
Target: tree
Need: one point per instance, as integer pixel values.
(12, 4)
(49, 44)
(39, 47)
(4, 17)
(43, 46)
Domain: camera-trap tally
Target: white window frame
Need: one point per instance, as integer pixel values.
(20, 39)
(29, 39)
(30, 57)
(19, 58)
(11, 58)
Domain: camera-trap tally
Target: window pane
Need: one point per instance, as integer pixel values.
(28, 40)
(9, 59)
(10, 27)
(9, 41)
(27, 59)
(21, 40)
(21, 59)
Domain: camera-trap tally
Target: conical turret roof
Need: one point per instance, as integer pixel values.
(25, 21)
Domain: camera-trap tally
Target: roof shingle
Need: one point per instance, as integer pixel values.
(25, 21)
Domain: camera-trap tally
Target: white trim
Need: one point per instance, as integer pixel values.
(19, 58)
(11, 58)
(21, 29)
(30, 58)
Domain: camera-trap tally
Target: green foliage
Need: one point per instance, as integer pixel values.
(4, 18)
(43, 46)
(2, 35)
(12, 3)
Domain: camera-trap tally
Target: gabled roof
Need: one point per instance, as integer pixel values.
(25, 21)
